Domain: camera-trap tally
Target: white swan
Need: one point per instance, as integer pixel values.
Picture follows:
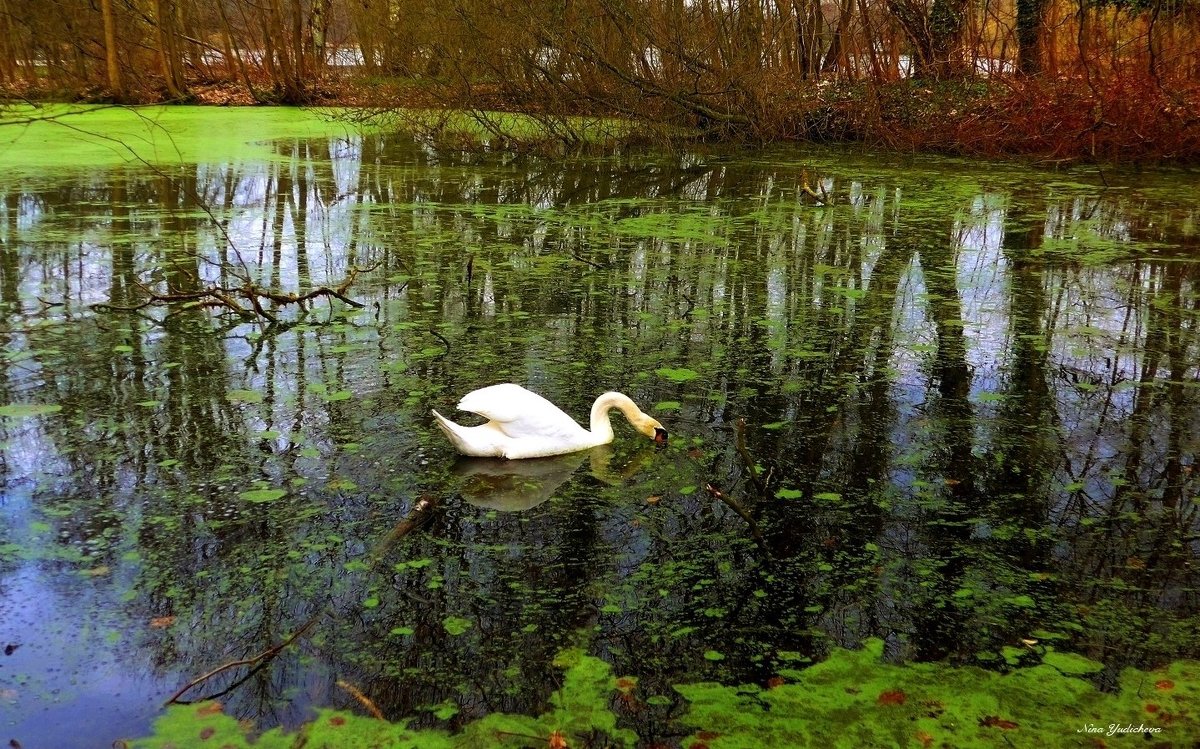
(523, 424)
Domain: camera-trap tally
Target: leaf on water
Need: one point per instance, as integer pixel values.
(123, 349)
(339, 395)
(789, 494)
(149, 403)
(828, 496)
(677, 375)
(244, 396)
(668, 406)
(25, 410)
(713, 655)
(259, 496)
(455, 625)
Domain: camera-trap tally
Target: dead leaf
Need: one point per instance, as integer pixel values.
(775, 681)
(209, 708)
(1151, 707)
(556, 740)
(207, 733)
(162, 622)
(100, 571)
(892, 697)
(626, 685)
(925, 738)
(337, 720)
(1164, 684)
(653, 499)
(995, 721)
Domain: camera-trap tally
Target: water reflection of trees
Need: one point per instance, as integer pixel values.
(991, 431)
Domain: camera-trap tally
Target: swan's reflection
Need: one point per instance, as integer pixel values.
(519, 485)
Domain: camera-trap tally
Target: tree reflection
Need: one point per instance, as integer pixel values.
(967, 429)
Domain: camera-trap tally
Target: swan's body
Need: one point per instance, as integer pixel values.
(523, 424)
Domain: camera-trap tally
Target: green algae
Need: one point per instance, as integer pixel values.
(853, 699)
(56, 137)
(579, 712)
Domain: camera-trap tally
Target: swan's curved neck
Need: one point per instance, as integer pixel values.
(602, 430)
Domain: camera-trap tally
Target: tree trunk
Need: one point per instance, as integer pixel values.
(946, 21)
(164, 33)
(233, 58)
(110, 50)
(1029, 35)
(319, 22)
(8, 46)
(298, 47)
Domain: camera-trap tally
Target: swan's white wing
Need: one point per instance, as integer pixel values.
(519, 413)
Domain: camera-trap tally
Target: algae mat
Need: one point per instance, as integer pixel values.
(71, 137)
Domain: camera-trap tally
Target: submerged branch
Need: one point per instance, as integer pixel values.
(755, 533)
(236, 298)
(748, 459)
(258, 661)
(420, 514)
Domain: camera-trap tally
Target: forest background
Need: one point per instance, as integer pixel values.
(1059, 79)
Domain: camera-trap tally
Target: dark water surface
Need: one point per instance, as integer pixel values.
(970, 391)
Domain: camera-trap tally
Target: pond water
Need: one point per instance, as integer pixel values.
(969, 393)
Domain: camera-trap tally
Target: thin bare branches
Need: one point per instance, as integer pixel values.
(258, 661)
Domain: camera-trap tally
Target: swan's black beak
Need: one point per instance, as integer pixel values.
(660, 436)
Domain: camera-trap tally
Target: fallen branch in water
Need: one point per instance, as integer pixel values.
(420, 514)
(748, 459)
(258, 661)
(755, 533)
(363, 699)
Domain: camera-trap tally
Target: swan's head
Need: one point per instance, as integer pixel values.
(651, 428)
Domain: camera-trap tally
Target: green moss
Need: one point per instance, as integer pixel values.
(854, 699)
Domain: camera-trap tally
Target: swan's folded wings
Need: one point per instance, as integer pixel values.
(520, 413)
